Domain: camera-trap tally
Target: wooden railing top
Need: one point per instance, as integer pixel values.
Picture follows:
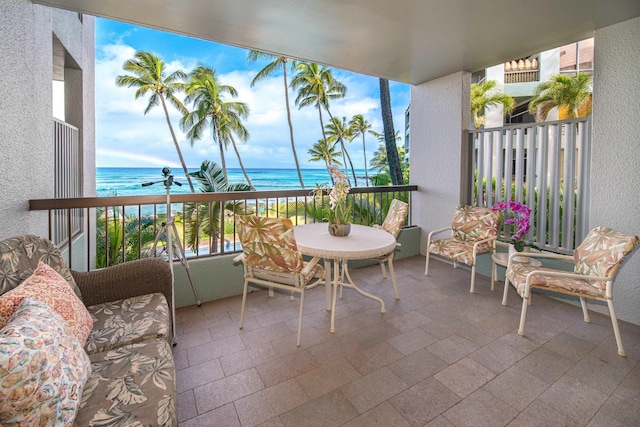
(96, 202)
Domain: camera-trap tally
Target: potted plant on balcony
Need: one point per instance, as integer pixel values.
(518, 214)
(338, 213)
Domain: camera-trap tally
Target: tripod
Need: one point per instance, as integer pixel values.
(169, 228)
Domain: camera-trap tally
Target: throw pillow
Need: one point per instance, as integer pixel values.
(43, 368)
(46, 285)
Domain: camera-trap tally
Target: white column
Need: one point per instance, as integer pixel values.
(440, 110)
(615, 173)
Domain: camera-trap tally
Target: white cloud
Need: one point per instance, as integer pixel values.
(128, 137)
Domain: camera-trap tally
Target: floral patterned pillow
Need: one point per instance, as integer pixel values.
(602, 251)
(471, 224)
(43, 368)
(46, 285)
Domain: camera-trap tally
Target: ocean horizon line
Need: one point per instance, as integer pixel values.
(198, 168)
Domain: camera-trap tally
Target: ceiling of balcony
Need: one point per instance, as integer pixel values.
(410, 41)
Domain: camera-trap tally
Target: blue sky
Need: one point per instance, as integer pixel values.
(126, 137)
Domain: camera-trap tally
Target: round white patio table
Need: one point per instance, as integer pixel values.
(361, 243)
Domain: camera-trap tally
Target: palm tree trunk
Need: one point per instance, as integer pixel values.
(395, 171)
(324, 137)
(293, 145)
(345, 154)
(175, 141)
(364, 152)
(221, 147)
(235, 148)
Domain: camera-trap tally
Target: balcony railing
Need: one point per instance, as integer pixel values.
(68, 180)
(545, 165)
(524, 76)
(124, 228)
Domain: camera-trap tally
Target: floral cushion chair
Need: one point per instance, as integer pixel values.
(596, 262)
(393, 222)
(271, 258)
(474, 231)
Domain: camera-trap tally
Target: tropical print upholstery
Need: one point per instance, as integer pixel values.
(269, 244)
(469, 225)
(19, 257)
(396, 217)
(517, 275)
(43, 368)
(600, 254)
(128, 321)
(132, 385)
(46, 285)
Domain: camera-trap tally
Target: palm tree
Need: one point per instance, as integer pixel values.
(380, 163)
(316, 86)
(276, 63)
(121, 238)
(227, 129)
(487, 95)
(203, 219)
(360, 126)
(337, 130)
(207, 95)
(395, 169)
(560, 90)
(322, 150)
(148, 75)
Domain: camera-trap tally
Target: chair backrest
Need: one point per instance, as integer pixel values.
(269, 244)
(602, 252)
(471, 224)
(19, 257)
(396, 217)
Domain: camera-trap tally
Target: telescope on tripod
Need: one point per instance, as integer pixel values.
(169, 229)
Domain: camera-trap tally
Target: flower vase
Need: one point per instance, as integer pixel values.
(520, 259)
(339, 230)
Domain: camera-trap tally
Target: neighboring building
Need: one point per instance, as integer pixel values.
(520, 77)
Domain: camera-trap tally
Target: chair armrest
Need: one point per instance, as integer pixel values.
(479, 242)
(130, 279)
(310, 266)
(570, 275)
(239, 258)
(436, 231)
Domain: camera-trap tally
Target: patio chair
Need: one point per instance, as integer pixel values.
(393, 222)
(271, 258)
(474, 231)
(596, 262)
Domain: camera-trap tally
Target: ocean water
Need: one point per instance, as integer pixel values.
(128, 181)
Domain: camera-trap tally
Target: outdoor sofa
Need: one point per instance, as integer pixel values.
(121, 374)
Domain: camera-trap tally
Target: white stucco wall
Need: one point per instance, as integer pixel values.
(26, 166)
(615, 169)
(26, 148)
(439, 113)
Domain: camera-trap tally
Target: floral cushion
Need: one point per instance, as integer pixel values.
(269, 243)
(132, 385)
(128, 321)
(471, 224)
(396, 217)
(458, 250)
(20, 255)
(46, 285)
(602, 252)
(43, 368)
(517, 275)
